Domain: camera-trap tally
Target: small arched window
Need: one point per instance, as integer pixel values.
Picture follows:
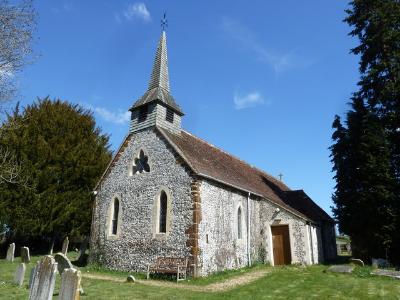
(239, 223)
(163, 213)
(114, 220)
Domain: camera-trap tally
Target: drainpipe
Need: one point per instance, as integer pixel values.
(248, 230)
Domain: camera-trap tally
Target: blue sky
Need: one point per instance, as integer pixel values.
(261, 79)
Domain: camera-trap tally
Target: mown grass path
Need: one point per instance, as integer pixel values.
(223, 286)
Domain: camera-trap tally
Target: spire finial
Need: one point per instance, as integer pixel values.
(164, 22)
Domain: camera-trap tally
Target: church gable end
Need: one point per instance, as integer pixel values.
(138, 231)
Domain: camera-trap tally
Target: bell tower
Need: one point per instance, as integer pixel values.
(157, 107)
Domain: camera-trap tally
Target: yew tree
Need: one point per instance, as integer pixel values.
(62, 153)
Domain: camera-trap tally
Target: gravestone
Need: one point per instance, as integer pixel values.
(82, 250)
(357, 262)
(10, 252)
(341, 269)
(63, 262)
(388, 273)
(65, 246)
(70, 284)
(43, 280)
(380, 263)
(20, 274)
(31, 277)
(25, 256)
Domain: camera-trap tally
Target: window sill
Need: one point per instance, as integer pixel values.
(160, 236)
(112, 237)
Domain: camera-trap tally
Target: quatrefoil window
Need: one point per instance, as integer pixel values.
(141, 163)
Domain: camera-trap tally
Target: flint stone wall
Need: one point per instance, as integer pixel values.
(136, 244)
(219, 226)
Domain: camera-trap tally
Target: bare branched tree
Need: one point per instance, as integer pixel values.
(17, 25)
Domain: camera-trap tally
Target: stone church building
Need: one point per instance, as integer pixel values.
(168, 193)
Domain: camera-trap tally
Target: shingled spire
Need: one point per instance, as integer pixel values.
(158, 89)
(159, 76)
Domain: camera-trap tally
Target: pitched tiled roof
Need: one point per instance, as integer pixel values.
(300, 201)
(208, 161)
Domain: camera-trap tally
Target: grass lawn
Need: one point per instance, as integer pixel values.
(280, 283)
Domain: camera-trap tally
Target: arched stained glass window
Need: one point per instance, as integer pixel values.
(239, 222)
(114, 221)
(163, 213)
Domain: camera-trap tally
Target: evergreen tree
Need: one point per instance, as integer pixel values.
(63, 155)
(366, 153)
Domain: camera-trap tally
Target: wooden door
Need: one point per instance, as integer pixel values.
(281, 244)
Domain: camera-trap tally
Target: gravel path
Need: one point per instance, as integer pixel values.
(222, 286)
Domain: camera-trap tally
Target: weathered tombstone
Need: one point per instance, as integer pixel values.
(65, 246)
(380, 263)
(10, 252)
(20, 274)
(25, 256)
(341, 269)
(357, 262)
(44, 278)
(63, 262)
(82, 250)
(70, 284)
(389, 273)
(31, 277)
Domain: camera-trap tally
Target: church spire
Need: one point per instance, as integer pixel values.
(158, 90)
(157, 107)
(159, 76)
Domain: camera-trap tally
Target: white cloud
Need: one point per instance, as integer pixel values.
(279, 61)
(249, 100)
(117, 117)
(136, 10)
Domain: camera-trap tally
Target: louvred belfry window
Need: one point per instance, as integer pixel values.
(170, 115)
(143, 114)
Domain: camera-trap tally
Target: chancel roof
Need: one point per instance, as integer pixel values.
(208, 161)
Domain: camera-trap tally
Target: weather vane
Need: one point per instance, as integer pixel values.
(164, 22)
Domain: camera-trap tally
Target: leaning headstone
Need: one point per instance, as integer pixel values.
(65, 246)
(70, 285)
(44, 278)
(10, 252)
(341, 269)
(31, 277)
(25, 256)
(20, 274)
(63, 262)
(357, 262)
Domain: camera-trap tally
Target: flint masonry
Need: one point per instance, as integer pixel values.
(168, 193)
